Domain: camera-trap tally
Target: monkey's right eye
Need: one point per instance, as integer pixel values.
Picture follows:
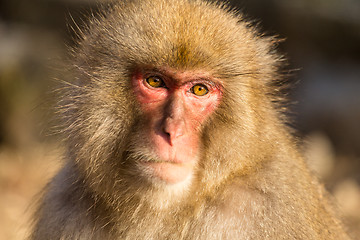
(155, 82)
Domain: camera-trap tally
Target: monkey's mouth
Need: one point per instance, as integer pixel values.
(152, 159)
(155, 160)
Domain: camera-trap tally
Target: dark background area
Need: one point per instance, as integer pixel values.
(321, 43)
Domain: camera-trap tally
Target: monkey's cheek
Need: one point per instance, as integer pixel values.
(168, 172)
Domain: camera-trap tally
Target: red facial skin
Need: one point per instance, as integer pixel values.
(175, 115)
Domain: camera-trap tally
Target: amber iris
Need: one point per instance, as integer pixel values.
(155, 82)
(199, 90)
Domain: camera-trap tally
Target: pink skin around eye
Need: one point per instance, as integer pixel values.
(175, 115)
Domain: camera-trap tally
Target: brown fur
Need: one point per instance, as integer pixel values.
(250, 183)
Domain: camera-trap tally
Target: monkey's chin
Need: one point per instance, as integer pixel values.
(169, 172)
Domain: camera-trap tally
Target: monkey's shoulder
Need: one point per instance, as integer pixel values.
(67, 211)
(275, 206)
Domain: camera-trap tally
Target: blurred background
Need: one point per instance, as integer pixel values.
(322, 44)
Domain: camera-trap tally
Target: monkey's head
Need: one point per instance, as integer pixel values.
(164, 91)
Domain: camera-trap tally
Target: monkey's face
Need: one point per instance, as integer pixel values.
(175, 105)
(165, 94)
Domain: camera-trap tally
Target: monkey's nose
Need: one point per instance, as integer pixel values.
(173, 128)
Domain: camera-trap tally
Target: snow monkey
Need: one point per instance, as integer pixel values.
(174, 130)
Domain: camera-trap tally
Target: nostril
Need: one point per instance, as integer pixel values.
(166, 133)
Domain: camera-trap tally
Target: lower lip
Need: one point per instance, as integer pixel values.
(170, 172)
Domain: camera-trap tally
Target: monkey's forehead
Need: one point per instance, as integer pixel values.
(178, 34)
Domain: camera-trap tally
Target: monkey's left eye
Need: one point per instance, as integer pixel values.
(155, 82)
(199, 90)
